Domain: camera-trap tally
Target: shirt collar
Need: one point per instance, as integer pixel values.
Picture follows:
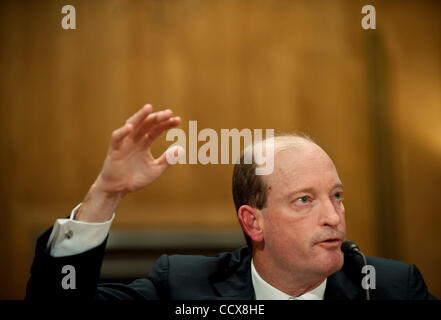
(264, 291)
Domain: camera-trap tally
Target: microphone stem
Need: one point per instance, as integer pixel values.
(368, 297)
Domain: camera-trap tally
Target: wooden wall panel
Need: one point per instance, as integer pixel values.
(414, 55)
(288, 65)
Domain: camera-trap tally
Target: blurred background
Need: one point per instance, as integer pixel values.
(371, 98)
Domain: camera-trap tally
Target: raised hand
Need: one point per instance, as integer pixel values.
(129, 164)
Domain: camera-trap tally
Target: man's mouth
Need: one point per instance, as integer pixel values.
(331, 242)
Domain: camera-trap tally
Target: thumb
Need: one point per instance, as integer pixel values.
(171, 156)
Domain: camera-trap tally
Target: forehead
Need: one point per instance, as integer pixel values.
(304, 166)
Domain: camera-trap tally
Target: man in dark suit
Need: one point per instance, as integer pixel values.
(293, 220)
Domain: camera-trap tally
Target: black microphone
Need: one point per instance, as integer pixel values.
(350, 248)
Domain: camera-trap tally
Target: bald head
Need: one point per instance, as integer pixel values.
(296, 152)
(287, 142)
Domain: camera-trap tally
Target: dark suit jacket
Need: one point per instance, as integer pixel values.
(226, 276)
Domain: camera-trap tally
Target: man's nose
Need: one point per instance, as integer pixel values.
(329, 214)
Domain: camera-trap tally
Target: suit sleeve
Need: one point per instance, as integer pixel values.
(46, 280)
(155, 287)
(417, 289)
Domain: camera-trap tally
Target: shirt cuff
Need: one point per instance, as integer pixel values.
(70, 237)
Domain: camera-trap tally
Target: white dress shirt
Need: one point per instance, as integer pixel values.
(70, 237)
(264, 291)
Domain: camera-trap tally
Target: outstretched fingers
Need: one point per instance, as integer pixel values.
(130, 126)
(137, 119)
(119, 134)
(144, 127)
(156, 131)
(151, 121)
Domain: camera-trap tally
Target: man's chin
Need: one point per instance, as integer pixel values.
(331, 262)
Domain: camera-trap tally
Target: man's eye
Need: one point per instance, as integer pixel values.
(303, 200)
(339, 196)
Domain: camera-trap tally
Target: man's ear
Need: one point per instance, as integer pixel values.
(251, 221)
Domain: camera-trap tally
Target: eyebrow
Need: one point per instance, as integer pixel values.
(337, 185)
(311, 190)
